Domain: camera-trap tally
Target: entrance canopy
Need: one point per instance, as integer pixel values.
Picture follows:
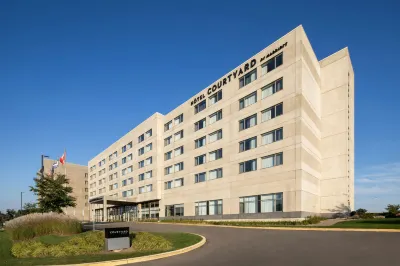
(111, 201)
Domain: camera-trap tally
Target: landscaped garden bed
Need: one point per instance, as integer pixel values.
(28, 241)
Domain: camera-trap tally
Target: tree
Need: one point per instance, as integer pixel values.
(30, 208)
(361, 212)
(53, 193)
(11, 214)
(393, 209)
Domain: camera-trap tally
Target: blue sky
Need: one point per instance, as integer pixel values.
(65, 64)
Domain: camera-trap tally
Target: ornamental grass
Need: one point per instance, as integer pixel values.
(40, 224)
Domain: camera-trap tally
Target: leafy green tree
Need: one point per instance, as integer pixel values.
(361, 211)
(53, 193)
(11, 214)
(393, 209)
(30, 208)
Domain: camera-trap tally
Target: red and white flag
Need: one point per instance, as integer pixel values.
(63, 158)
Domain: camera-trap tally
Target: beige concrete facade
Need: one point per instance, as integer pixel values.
(317, 147)
(78, 180)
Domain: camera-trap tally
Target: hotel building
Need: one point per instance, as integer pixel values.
(272, 138)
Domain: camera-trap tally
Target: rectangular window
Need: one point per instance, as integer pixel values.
(248, 100)
(141, 151)
(174, 210)
(178, 151)
(248, 144)
(272, 64)
(178, 119)
(272, 112)
(200, 124)
(201, 208)
(149, 188)
(178, 182)
(248, 78)
(214, 174)
(215, 155)
(178, 135)
(200, 142)
(215, 97)
(130, 180)
(167, 155)
(123, 160)
(168, 126)
(178, 167)
(201, 177)
(215, 117)
(142, 190)
(148, 174)
(272, 88)
(217, 135)
(129, 145)
(141, 177)
(272, 136)
(141, 164)
(124, 149)
(124, 171)
(248, 122)
(212, 207)
(248, 166)
(148, 147)
(200, 106)
(167, 141)
(149, 133)
(168, 184)
(141, 138)
(261, 203)
(200, 159)
(272, 160)
(148, 161)
(168, 170)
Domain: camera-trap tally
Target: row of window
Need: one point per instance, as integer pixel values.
(265, 92)
(177, 136)
(144, 136)
(266, 162)
(213, 174)
(173, 168)
(177, 120)
(178, 151)
(145, 149)
(212, 137)
(173, 183)
(212, 156)
(251, 204)
(266, 115)
(142, 190)
(266, 138)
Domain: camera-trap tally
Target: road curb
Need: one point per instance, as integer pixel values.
(148, 258)
(289, 228)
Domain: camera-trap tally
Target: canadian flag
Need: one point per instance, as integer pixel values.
(63, 158)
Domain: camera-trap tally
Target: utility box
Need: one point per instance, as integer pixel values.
(117, 238)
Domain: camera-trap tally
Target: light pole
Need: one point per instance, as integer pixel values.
(42, 169)
(21, 200)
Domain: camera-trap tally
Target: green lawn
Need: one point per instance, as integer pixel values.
(53, 240)
(389, 223)
(179, 240)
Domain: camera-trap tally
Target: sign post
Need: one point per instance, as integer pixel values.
(117, 238)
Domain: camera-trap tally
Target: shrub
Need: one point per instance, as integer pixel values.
(39, 224)
(86, 243)
(367, 216)
(353, 213)
(143, 241)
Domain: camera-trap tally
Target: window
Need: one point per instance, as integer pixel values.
(168, 170)
(201, 177)
(178, 167)
(149, 133)
(248, 122)
(173, 183)
(123, 160)
(215, 155)
(200, 142)
(211, 207)
(272, 64)
(272, 88)
(178, 119)
(142, 190)
(200, 124)
(272, 112)
(248, 166)
(145, 189)
(146, 175)
(127, 158)
(127, 193)
(248, 100)
(124, 182)
(148, 161)
(167, 141)
(167, 155)
(217, 135)
(129, 145)
(200, 107)
(168, 126)
(178, 151)
(124, 149)
(140, 151)
(141, 164)
(261, 203)
(115, 186)
(149, 188)
(248, 144)
(178, 182)
(272, 160)
(174, 210)
(272, 136)
(215, 117)
(130, 180)
(214, 174)
(200, 159)
(168, 184)
(215, 97)
(178, 135)
(141, 138)
(248, 78)
(148, 147)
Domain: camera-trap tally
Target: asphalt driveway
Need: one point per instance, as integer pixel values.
(237, 246)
